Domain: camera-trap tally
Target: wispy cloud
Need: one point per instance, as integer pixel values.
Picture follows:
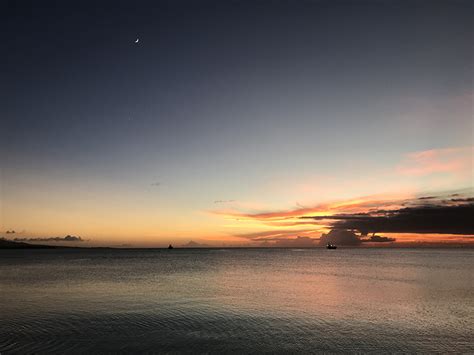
(284, 217)
(448, 160)
(224, 201)
(283, 238)
(276, 234)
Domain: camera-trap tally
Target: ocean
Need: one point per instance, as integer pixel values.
(349, 300)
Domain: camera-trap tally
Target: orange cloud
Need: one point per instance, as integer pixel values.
(291, 216)
(371, 210)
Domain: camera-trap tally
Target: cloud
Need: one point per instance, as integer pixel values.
(286, 242)
(352, 205)
(340, 237)
(428, 216)
(298, 242)
(157, 183)
(223, 201)
(436, 214)
(295, 238)
(275, 235)
(378, 239)
(441, 219)
(71, 238)
(470, 199)
(193, 244)
(347, 237)
(447, 160)
(68, 238)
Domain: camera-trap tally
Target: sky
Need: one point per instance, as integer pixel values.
(227, 112)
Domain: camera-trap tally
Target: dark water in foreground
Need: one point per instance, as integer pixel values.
(241, 301)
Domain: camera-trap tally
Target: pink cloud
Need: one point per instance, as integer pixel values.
(448, 160)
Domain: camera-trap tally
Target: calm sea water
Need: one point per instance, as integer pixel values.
(237, 300)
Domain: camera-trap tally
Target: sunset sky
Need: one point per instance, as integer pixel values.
(236, 122)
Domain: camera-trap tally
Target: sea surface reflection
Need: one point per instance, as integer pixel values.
(236, 300)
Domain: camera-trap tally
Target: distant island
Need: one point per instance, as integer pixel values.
(13, 244)
(10, 244)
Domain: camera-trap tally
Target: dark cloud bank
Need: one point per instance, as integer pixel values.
(457, 219)
(68, 238)
(453, 216)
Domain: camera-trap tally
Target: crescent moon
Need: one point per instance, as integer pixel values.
(137, 40)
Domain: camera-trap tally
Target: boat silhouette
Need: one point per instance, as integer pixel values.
(331, 246)
(170, 247)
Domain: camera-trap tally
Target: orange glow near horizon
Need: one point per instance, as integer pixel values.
(281, 224)
(114, 215)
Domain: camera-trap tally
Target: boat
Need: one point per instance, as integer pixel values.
(170, 247)
(331, 246)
